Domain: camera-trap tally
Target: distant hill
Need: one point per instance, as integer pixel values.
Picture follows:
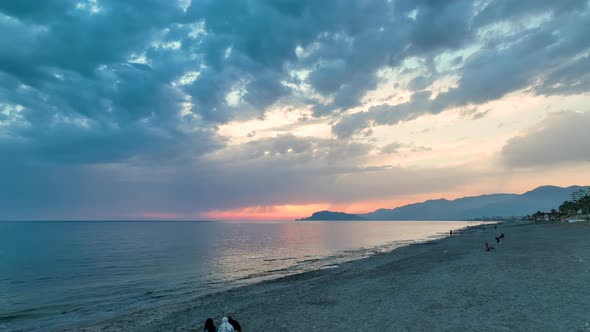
(329, 215)
(542, 198)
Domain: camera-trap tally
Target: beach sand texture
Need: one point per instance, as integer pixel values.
(536, 279)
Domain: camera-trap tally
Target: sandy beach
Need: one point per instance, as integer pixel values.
(537, 278)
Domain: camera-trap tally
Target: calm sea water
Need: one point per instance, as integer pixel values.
(62, 274)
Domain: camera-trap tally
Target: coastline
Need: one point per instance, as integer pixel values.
(536, 278)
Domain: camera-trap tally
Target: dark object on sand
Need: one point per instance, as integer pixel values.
(489, 247)
(234, 323)
(451, 232)
(210, 326)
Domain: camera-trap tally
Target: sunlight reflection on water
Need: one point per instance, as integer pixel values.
(57, 273)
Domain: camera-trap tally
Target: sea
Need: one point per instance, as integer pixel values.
(56, 274)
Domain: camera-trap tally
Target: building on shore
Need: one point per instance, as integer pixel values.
(578, 194)
(545, 216)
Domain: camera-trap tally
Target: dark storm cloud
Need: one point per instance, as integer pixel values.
(548, 59)
(68, 65)
(562, 137)
(347, 72)
(383, 114)
(419, 83)
(82, 100)
(506, 10)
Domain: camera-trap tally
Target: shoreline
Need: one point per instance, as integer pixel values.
(319, 264)
(78, 303)
(440, 284)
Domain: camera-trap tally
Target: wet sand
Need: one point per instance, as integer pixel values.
(537, 278)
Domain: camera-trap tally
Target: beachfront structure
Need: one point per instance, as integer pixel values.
(578, 194)
(545, 216)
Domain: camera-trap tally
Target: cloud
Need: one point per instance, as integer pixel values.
(114, 105)
(391, 148)
(548, 57)
(474, 113)
(101, 64)
(82, 99)
(561, 137)
(420, 148)
(506, 10)
(90, 69)
(384, 114)
(396, 147)
(419, 83)
(300, 150)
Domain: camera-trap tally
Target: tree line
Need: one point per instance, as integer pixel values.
(569, 207)
(566, 209)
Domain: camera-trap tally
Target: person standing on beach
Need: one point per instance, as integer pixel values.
(451, 232)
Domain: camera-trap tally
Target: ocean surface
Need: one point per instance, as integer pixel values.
(56, 275)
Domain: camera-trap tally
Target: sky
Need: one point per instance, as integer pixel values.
(274, 109)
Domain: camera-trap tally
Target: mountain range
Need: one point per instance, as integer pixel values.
(542, 198)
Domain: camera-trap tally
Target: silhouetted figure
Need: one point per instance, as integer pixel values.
(451, 232)
(210, 326)
(225, 326)
(499, 237)
(489, 247)
(234, 323)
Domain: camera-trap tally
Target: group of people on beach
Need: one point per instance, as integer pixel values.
(228, 324)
